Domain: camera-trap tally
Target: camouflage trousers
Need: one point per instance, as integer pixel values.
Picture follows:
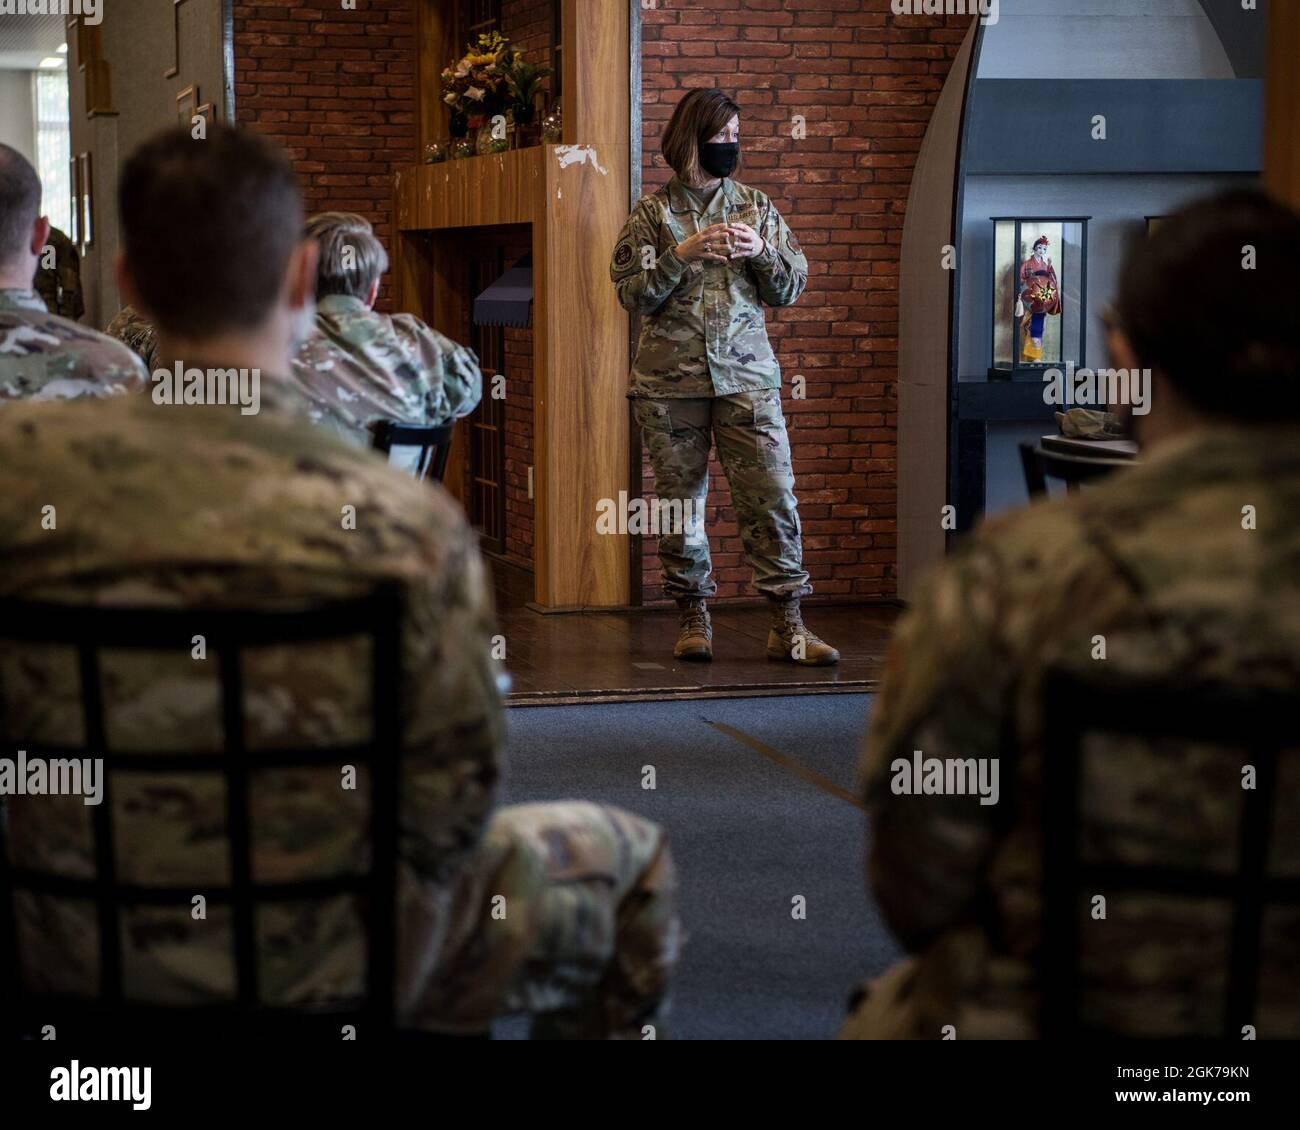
(567, 913)
(749, 431)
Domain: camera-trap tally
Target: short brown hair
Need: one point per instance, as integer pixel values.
(700, 114)
(1227, 335)
(208, 227)
(20, 202)
(336, 272)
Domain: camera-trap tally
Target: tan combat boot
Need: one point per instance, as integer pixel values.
(788, 639)
(695, 641)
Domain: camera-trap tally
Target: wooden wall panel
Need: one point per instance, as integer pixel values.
(502, 188)
(435, 32)
(1282, 103)
(580, 414)
(596, 87)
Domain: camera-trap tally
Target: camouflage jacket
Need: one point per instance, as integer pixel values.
(703, 332)
(361, 366)
(203, 507)
(1156, 561)
(137, 335)
(60, 285)
(45, 357)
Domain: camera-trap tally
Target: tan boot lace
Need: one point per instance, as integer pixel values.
(695, 619)
(792, 628)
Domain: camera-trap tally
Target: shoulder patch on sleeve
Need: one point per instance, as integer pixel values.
(623, 254)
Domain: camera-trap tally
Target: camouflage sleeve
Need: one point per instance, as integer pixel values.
(782, 269)
(945, 692)
(136, 334)
(462, 382)
(568, 913)
(449, 376)
(76, 304)
(454, 732)
(643, 289)
(142, 370)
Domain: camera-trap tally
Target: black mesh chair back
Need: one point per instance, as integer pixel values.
(1040, 464)
(92, 630)
(1234, 722)
(434, 444)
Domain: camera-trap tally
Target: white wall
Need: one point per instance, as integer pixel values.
(1117, 206)
(138, 45)
(1114, 39)
(17, 117)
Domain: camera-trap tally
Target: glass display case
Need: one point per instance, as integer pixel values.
(1040, 284)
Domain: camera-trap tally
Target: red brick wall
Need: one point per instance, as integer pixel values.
(866, 83)
(336, 87)
(527, 24)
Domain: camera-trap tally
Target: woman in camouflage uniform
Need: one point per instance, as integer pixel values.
(697, 259)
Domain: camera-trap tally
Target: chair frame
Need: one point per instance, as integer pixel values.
(91, 630)
(1040, 464)
(1262, 723)
(433, 440)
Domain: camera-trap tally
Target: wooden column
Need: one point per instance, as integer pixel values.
(575, 196)
(580, 344)
(1282, 103)
(435, 32)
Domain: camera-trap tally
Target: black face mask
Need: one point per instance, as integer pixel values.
(718, 158)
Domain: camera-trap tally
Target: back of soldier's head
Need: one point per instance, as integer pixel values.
(20, 204)
(351, 259)
(1212, 299)
(208, 228)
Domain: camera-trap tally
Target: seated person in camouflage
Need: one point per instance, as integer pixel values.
(361, 366)
(201, 505)
(44, 356)
(1158, 562)
(59, 282)
(137, 335)
(697, 260)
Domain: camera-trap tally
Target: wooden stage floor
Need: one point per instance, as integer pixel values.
(627, 656)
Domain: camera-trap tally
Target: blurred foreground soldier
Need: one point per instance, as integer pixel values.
(697, 260)
(1159, 561)
(361, 366)
(137, 335)
(59, 284)
(200, 504)
(44, 356)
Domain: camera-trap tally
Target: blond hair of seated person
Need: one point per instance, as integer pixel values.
(361, 366)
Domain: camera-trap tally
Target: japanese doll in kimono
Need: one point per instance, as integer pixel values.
(1040, 295)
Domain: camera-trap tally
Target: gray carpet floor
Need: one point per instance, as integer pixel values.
(748, 833)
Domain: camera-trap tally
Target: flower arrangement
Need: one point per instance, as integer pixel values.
(476, 86)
